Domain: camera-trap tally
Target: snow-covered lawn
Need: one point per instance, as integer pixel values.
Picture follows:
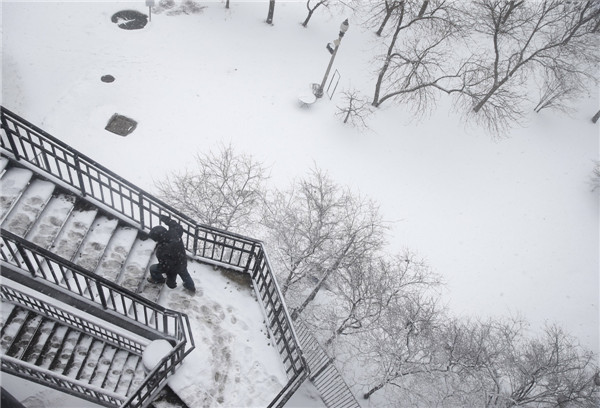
(510, 224)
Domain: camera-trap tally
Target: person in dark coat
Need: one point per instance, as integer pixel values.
(172, 259)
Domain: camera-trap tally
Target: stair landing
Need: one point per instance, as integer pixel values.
(235, 363)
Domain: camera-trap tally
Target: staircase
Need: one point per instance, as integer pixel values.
(42, 342)
(71, 223)
(36, 340)
(38, 211)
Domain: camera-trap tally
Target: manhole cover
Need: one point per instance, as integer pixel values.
(107, 78)
(130, 19)
(121, 125)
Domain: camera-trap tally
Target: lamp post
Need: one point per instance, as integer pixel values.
(343, 28)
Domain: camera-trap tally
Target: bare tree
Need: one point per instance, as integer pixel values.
(380, 12)
(526, 40)
(311, 7)
(316, 228)
(225, 190)
(364, 292)
(355, 109)
(403, 346)
(416, 63)
(558, 93)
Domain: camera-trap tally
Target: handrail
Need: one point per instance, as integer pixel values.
(57, 272)
(35, 148)
(43, 264)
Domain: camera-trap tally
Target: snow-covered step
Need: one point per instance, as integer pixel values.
(91, 361)
(10, 329)
(6, 309)
(25, 336)
(73, 232)
(40, 341)
(137, 263)
(52, 346)
(3, 164)
(115, 370)
(59, 365)
(132, 372)
(51, 221)
(151, 291)
(116, 253)
(96, 240)
(103, 366)
(29, 207)
(12, 184)
(79, 355)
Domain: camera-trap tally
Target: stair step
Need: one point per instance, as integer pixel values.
(127, 374)
(151, 291)
(136, 265)
(73, 233)
(11, 328)
(103, 366)
(51, 221)
(91, 360)
(40, 341)
(27, 210)
(116, 253)
(3, 164)
(6, 309)
(116, 369)
(96, 240)
(139, 375)
(25, 336)
(60, 363)
(12, 184)
(52, 346)
(79, 354)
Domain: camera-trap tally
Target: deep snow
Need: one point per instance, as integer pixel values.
(511, 224)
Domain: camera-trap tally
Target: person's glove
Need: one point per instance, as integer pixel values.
(164, 218)
(143, 236)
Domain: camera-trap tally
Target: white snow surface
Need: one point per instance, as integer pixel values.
(235, 363)
(511, 224)
(154, 352)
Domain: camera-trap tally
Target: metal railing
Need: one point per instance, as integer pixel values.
(37, 149)
(21, 258)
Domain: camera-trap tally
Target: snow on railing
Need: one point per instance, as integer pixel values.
(61, 163)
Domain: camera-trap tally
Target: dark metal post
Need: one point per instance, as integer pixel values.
(343, 28)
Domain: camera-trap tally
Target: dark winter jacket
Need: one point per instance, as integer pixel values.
(170, 250)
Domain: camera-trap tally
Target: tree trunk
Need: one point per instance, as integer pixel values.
(373, 390)
(384, 22)
(423, 8)
(312, 295)
(387, 61)
(596, 117)
(271, 11)
(310, 13)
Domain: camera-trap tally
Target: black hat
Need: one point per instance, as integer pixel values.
(157, 233)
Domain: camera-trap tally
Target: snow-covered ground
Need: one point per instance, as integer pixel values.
(234, 363)
(510, 224)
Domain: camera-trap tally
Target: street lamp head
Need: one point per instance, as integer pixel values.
(344, 27)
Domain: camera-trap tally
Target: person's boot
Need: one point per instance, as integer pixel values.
(189, 287)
